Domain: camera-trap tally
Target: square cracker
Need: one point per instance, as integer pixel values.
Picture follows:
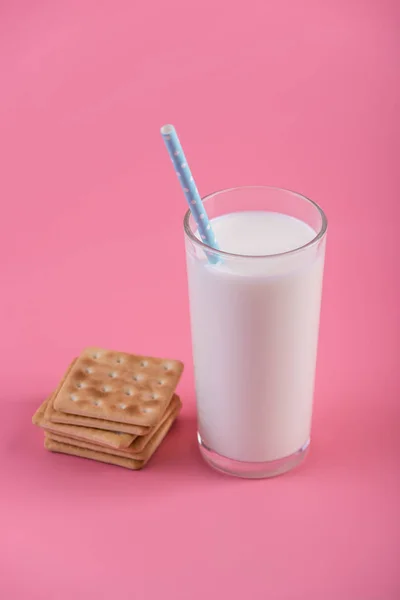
(58, 417)
(128, 463)
(98, 437)
(132, 452)
(121, 387)
(111, 439)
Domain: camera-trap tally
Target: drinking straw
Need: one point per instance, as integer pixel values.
(189, 187)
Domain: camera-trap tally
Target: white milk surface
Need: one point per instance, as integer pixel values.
(255, 330)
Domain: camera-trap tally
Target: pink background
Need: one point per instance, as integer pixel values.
(303, 95)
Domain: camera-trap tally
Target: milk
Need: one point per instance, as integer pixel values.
(255, 322)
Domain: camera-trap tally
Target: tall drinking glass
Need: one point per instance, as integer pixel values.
(255, 319)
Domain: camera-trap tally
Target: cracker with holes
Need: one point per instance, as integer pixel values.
(55, 416)
(118, 387)
(141, 451)
(88, 427)
(109, 440)
(99, 455)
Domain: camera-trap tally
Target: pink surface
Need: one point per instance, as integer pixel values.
(303, 95)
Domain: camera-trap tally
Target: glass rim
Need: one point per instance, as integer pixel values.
(319, 235)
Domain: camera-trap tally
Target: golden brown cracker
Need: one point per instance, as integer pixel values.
(54, 416)
(129, 463)
(110, 439)
(130, 452)
(59, 417)
(98, 437)
(118, 387)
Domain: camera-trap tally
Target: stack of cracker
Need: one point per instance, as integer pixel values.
(112, 407)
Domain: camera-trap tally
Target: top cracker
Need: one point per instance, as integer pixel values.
(119, 387)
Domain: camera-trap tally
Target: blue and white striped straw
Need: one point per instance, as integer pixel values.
(190, 189)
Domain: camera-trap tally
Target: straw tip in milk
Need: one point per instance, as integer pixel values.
(167, 129)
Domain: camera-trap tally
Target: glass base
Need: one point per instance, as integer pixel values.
(252, 470)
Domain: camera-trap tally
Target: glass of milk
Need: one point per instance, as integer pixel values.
(255, 318)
